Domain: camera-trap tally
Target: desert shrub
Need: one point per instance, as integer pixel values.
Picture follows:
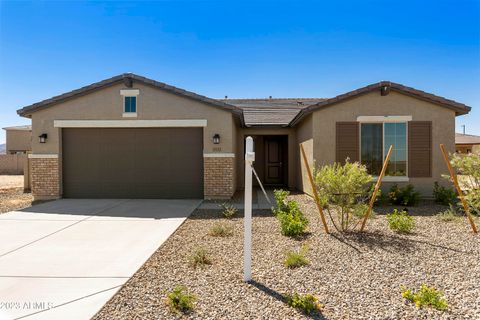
(220, 229)
(343, 191)
(468, 167)
(400, 221)
(449, 215)
(280, 200)
(296, 259)
(443, 195)
(306, 303)
(228, 210)
(292, 220)
(405, 196)
(179, 300)
(426, 296)
(199, 258)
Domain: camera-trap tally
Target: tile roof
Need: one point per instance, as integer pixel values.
(271, 111)
(127, 78)
(459, 108)
(466, 139)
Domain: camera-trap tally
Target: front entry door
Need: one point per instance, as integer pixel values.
(274, 160)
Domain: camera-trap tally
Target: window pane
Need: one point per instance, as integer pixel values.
(127, 104)
(133, 104)
(398, 138)
(371, 147)
(130, 104)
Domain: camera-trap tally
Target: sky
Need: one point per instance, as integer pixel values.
(241, 49)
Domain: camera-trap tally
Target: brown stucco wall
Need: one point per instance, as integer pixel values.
(394, 104)
(152, 104)
(18, 140)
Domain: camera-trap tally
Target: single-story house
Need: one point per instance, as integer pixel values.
(467, 143)
(133, 137)
(19, 139)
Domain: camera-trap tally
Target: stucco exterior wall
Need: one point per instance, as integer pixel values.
(18, 140)
(152, 104)
(393, 104)
(304, 138)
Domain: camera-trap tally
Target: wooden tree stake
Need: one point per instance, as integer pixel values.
(453, 175)
(314, 189)
(377, 187)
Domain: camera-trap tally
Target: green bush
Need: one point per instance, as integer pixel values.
(296, 259)
(199, 258)
(406, 196)
(228, 210)
(179, 300)
(468, 167)
(292, 220)
(343, 191)
(400, 221)
(307, 303)
(449, 215)
(426, 296)
(220, 229)
(280, 197)
(442, 195)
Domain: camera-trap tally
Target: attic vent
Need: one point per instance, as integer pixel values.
(384, 90)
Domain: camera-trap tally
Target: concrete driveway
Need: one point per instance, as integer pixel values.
(65, 259)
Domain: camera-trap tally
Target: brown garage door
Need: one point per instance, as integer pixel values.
(133, 163)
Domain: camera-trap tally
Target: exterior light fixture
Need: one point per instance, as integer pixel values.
(42, 138)
(216, 138)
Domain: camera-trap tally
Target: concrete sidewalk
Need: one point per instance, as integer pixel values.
(65, 259)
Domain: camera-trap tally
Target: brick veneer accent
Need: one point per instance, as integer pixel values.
(218, 177)
(45, 178)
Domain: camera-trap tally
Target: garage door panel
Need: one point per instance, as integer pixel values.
(133, 163)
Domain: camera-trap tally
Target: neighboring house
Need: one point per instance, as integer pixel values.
(467, 143)
(19, 139)
(132, 137)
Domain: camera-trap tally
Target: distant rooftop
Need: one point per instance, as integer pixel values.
(25, 128)
(271, 111)
(466, 139)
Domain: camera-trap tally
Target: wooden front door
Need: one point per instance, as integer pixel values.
(274, 166)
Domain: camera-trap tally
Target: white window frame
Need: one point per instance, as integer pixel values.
(383, 120)
(130, 93)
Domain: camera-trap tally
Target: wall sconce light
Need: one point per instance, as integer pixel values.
(216, 138)
(42, 138)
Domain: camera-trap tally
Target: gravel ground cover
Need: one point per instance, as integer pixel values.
(356, 276)
(14, 199)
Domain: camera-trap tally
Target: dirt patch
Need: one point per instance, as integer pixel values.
(14, 199)
(11, 181)
(356, 276)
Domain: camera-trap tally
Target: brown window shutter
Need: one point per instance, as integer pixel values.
(419, 149)
(347, 142)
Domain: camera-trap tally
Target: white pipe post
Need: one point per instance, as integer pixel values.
(247, 244)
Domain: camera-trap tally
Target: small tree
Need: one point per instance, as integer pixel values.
(343, 190)
(468, 168)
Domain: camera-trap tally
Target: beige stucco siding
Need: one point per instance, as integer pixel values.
(394, 104)
(304, 138)
(18, 140)
(152, 104)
